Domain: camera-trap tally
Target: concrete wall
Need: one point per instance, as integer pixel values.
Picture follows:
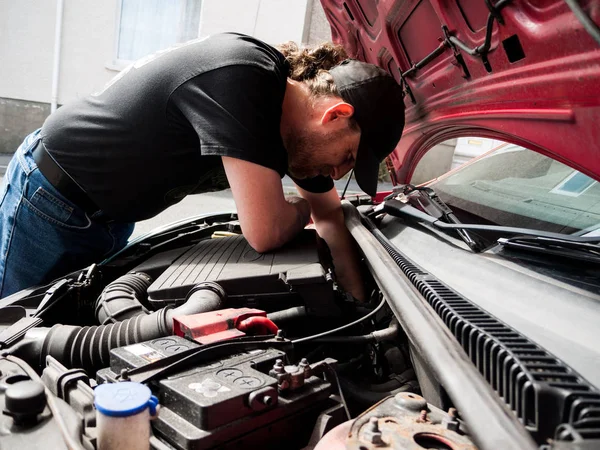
(317, 29)
(470, 147)
(26, 34)
(88, 43)
(437, 161)
(449, 155)
(27, 52)
(273, 21)
(27, 48)
(18, 118)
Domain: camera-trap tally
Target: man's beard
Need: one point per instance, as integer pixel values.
(302, 150)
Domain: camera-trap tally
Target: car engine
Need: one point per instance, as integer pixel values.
(239, 349)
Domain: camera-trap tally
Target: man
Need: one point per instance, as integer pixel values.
(207, 115)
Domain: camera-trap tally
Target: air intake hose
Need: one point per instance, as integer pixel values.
(122, 299)
(89, 347)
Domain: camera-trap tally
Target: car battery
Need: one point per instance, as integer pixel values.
(216, 402)
(217, 392)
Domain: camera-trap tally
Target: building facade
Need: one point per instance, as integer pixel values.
(55, 51)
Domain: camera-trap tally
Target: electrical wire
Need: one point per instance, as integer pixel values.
(332, 371)
(343, 327)
(589, 25)
(347, 184)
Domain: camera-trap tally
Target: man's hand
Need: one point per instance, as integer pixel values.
(302, 209)
(268, 220)
(328, 216)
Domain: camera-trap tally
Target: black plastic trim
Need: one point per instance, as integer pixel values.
(547, 395)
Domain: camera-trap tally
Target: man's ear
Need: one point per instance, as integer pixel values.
(338, 111)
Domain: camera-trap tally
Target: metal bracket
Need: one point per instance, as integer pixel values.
(449, 41)
(494, 11)
(86, 277)
(406, 88)
(460, 61)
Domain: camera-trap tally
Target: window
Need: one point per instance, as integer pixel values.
(514, 186)
(574, 185)
(146, 26)
(449, 155)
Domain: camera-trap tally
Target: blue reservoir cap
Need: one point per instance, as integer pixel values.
(124, 399)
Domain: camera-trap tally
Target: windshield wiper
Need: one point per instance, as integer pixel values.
(428, 200)
(582, 251)
(399, 209)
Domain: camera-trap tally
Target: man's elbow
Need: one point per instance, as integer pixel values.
(262, 243)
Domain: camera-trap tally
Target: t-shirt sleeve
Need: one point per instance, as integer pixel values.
(236, 111)
(316, 185)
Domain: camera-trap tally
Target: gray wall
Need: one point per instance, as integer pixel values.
(87, 46)
(273, 21)
(317, 28)
(436, 162)
(27, 52)
(27, 48)
(18, 118)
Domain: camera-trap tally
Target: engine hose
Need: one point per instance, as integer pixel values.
(350, 364)
(288, 314)
(388, 334)
(394, 383)
(89, 347)
(365, 397)
(122, 299)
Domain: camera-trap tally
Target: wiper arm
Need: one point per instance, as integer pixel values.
(398, 209)
(582, 251)
(431, 203)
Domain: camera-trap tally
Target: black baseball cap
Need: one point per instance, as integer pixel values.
(379, 111)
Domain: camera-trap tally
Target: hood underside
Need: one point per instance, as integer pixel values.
(534, 81)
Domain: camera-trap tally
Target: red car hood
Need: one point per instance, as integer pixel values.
(538, 86)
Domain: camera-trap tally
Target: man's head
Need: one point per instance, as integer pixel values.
(324, 141)
(353, 118)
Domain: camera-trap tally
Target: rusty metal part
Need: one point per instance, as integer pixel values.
(278, 367)
(372, 433)
(451, 422)
(405, 422)
(336, 438)
(292, 377)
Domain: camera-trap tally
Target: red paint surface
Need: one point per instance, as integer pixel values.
(549, 101)
(257, 325)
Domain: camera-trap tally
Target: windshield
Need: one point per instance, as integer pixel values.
(517, 187)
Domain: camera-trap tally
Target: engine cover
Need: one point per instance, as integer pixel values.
(241, 271)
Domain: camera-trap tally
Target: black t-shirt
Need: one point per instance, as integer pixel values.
(157, 131)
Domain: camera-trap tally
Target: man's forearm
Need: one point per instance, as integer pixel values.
(289, 223)
(344, 253)
(302, 211)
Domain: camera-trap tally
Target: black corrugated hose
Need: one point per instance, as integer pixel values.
(122, 299)
(89, 347)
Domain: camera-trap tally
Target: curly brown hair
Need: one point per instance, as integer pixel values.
(311, 65)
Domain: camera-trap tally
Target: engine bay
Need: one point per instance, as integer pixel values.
(240, 349)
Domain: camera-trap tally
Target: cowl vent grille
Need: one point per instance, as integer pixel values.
(549, 398)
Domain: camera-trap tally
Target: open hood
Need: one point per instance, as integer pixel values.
(535, 80)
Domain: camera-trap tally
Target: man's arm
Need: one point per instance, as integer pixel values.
(328, 216)
(268, 220)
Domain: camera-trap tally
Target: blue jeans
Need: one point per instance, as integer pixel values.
(42, 234)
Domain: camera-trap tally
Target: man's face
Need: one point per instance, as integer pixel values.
(312, 153)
